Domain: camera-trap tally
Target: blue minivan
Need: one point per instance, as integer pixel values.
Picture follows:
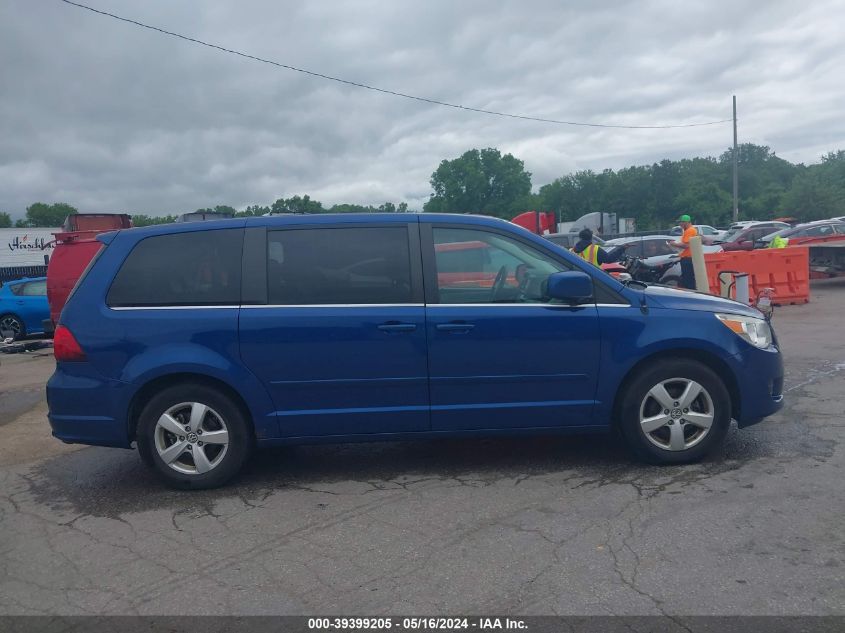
(198, 342)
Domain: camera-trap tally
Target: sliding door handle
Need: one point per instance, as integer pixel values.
(393, 327)
(455, 327)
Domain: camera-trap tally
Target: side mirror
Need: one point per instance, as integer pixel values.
(571, 287)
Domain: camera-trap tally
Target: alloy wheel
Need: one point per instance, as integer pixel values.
(10, 323)
(676, 414)
(191, 438)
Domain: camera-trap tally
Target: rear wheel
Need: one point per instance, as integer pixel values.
(675, 411)
(672, 281)
(13, 324)
(193, 436)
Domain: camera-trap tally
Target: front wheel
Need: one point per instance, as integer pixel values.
(675, 411)
(193, 436)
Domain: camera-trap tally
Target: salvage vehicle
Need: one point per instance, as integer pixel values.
(651, 259)
(742, 238)
(708, 233)
(199, 342)
(808, 233)
(23, 307)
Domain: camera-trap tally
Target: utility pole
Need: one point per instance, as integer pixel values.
(736, 177)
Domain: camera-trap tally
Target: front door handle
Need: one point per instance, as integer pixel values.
(392, 326)
(455, 327)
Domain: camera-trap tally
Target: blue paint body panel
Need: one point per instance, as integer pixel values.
(31, 310)
(528, 365)
(332, 371)
(313, 373)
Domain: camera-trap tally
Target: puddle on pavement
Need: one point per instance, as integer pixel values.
(112, 482)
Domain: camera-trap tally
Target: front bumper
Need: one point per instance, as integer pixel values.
(759, 374)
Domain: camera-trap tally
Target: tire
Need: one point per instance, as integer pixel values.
(170, 442)
(673, 281)
(15, 324)
(686, 433)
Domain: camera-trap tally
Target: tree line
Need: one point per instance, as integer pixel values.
(486, 181)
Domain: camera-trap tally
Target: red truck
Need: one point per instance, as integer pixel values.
(76, 246)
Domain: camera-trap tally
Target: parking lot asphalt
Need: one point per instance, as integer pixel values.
(561, 525)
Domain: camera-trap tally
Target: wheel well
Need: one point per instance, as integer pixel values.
(717, 365)
(143, 395)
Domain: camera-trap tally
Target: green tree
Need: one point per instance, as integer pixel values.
(252, 210)
(656, 194)
(41, 214)
(220, 208)
(764, 179)
(480, 181)
(818, 191)
(141, 219)
(351, 208)
(297, 205)
(5, 220)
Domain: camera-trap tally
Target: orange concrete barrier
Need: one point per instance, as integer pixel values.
(787, 270)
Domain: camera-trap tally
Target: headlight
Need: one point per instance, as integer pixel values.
(755, 331)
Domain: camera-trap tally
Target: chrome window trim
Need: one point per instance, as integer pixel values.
(372, 305)
(126, 308)
(336, 305)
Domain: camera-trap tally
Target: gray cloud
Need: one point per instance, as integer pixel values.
(108, 116)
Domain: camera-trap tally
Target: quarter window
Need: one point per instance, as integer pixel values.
(354, 265)
(181, 269)
(483, 267)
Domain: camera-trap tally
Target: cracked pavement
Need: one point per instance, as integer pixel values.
(548, 525)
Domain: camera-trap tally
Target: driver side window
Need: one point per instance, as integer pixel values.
(477, 266)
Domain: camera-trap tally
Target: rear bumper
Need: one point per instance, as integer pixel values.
(86, 408)
(759, 374)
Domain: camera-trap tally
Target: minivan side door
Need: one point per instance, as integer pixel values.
(501, 355)
(339, 340)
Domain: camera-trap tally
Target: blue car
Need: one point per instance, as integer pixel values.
(23, 307)
(198, 342)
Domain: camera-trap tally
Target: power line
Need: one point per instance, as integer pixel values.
(384, 90)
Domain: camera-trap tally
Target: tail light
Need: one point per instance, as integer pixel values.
(65, 347)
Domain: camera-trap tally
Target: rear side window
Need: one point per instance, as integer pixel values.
(653, 248)
(35, 289)
(182, 269)
(636, 249)
(357, 265)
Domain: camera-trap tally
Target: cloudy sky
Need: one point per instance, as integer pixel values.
(111, 117)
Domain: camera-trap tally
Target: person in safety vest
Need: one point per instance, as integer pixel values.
(687, 272)
(593, 253)
(779, 242)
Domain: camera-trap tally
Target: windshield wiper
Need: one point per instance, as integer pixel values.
(628, 282)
